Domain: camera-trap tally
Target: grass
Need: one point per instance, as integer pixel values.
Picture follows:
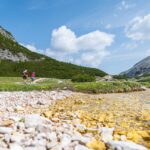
(17, 84)
(146, 84)
(108, 87)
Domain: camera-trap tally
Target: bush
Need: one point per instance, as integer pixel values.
(83, 78)
(125, 77)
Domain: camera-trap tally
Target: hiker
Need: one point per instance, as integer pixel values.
(25, 74)
(33, 76)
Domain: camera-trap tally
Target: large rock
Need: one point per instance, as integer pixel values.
(81, 147)
(35, 120)
(5, 130)
(15, 146)
(121, 145)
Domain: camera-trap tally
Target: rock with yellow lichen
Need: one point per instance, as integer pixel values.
(96, 145)
(130, 123)
(7, 123)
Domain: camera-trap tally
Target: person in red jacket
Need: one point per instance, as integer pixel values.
(33, 76)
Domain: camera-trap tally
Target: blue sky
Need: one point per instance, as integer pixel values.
(108, 34)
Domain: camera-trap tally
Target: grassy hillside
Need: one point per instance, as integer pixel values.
(47, 67)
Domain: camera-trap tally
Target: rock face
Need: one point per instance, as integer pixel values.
(6, 34)
(142, 67)
(8, 55)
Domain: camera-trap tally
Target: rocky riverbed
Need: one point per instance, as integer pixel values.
(63, 120)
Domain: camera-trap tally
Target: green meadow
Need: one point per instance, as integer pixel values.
(18, 84)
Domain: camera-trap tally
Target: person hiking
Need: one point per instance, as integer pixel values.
(33, 76)
(25, 75)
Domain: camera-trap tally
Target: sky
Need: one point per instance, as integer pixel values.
(111, 35)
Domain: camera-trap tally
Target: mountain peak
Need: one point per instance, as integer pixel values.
(7, 34)
(140, 68)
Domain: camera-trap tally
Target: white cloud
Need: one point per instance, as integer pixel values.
(124, 5)
(129, 45)
(64, 39)
(88, 49)
(33, 48)
(139, 28)
(30, 47)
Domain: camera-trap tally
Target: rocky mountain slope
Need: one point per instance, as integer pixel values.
(14, 58)
(141, 68)
(6, 34)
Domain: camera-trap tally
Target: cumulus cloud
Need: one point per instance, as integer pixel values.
(139, 28)
(88, 49)
(64, 39)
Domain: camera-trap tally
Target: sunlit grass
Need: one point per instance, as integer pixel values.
(18, 84)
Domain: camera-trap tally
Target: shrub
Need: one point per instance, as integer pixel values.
(125, 77)
(83, 78)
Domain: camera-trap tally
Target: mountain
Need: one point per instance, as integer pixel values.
(6, 34)
(139, 69)
(14, 58)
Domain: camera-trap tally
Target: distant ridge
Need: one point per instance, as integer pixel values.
(14, 58)
(139, 69)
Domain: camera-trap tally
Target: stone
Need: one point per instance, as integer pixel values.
(2, 148)
(52, 137)
(34, 120)
(121, 145)
(21, 126)
(96, 144)
(51, 144)
(35, 148)
(7, 123)
(81, 147)
(15, 146)
(17, 138)
(123, 138)
(81, 139)
(81, 128)
(43, 128)
(5, 130)
(29, 130)
(40, 103)
(57, 147)
(7, 138)
(106, 134)
(65, 140)
(19, 108)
